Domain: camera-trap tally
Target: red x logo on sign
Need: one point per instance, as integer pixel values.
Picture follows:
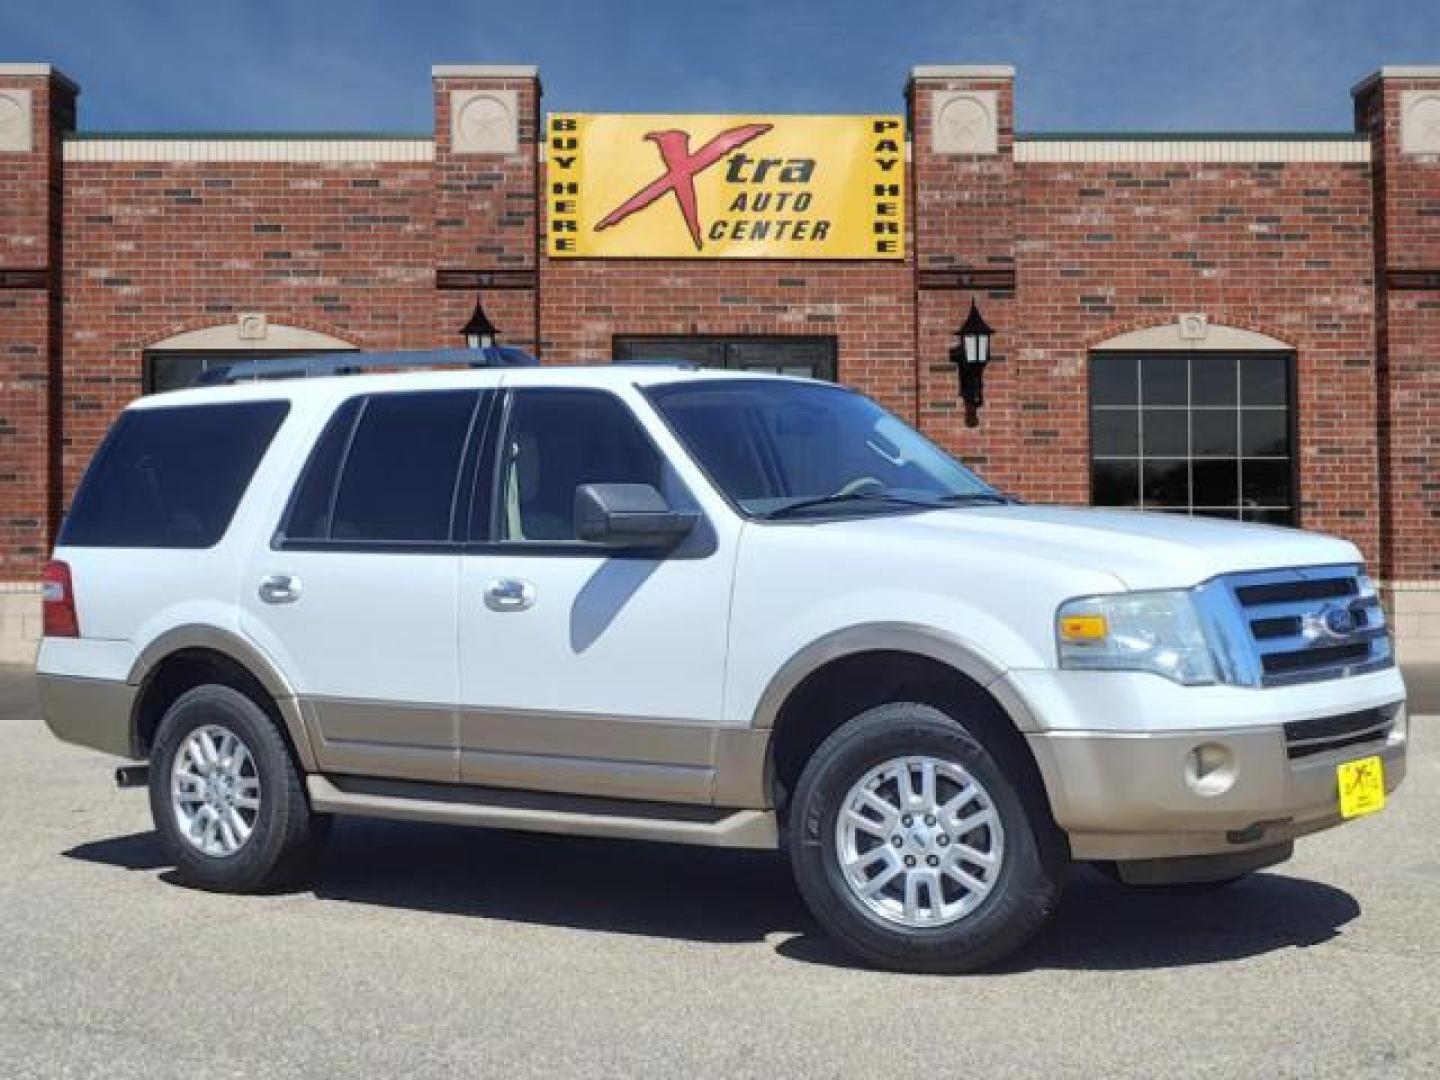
(681, 168)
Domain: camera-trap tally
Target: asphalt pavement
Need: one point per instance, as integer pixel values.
(427, 951)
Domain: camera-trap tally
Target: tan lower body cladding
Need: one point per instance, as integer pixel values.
(569, 753)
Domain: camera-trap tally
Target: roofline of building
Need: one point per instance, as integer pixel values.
(1397, 71)
(485, 71)
(43, 71)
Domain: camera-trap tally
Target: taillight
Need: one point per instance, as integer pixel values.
(58, 595)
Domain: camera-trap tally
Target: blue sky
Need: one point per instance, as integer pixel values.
(364, 64)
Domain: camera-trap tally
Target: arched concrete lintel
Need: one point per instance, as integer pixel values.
(1218, 338)
(225, 337)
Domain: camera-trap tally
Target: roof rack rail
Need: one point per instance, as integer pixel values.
(319, 365)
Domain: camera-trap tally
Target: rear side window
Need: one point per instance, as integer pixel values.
(171, 478)
(314, 500)
(385, 471)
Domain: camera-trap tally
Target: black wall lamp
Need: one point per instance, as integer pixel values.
(479, 332)
(971, 355)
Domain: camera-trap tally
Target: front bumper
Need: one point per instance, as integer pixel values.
(1112, 748)
(1136, 796)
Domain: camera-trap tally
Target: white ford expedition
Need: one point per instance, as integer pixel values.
(699, 607)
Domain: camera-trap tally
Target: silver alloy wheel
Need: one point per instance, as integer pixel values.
(919, 841)
(215, 791)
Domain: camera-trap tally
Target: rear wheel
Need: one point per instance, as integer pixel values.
(916, 850)
(226, 796)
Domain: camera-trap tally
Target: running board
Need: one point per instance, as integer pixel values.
(488, 808)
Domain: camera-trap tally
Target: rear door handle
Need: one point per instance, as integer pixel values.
(280, 589)
(509, 594)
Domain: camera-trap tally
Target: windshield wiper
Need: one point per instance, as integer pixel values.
(840, 498)
(988, 497)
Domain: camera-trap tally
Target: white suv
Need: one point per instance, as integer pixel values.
(699, 607)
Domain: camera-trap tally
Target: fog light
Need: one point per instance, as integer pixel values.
(1210, 769)
(1399, 729)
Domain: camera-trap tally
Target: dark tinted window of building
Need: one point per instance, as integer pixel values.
(177, 370)
(802, 355)
(557, 440)
(1200, 433)
(171, 478)
(399, 476)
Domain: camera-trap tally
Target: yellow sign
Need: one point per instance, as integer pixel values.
(1362, 786)
(728, 187)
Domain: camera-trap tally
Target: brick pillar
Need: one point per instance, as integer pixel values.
(37, 105)
(1400, 108)
(486, 205)
(963, 207)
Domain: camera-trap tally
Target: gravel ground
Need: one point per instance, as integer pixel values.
(429, 951)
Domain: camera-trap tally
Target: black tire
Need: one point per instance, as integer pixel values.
(286, 836)
(1032, 872)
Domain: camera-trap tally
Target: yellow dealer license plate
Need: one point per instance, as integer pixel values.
(1362, 786)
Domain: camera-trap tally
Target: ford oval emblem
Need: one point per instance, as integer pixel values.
(1339, 622)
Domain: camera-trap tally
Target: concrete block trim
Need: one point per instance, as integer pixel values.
(39, 71)
(1397, 71)
(962, 71)
(20, 621)
(484, 121)
(1188, 148)
(250, 330)
(965, 122)
(1194, 332)
(17, 128)
(210, 148)
(485, 71)
(1420, 121)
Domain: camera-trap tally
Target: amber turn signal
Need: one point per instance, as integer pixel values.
(1082, 628)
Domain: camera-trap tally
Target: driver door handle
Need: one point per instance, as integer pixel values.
(509, 594)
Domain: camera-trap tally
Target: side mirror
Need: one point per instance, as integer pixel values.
(629, 516)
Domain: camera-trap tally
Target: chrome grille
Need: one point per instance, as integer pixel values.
(1303, 624)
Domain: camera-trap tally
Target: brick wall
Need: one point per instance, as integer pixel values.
(1061, 255)
(1407, 258)
(1102, 248)
(867, 307)
(486, 211)
(965, 248)
(155, 249)
(1282, 249)
(30, 358)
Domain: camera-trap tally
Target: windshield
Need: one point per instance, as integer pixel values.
(780, 449)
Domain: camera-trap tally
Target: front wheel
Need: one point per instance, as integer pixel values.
(916, 850)
(226, 796)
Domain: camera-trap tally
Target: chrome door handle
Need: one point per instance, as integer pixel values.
(280, 589)
(509, 594)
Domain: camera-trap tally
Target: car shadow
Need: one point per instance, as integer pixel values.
(1102, 925)
(719, 896)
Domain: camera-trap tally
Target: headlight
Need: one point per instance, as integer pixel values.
(1143, 631)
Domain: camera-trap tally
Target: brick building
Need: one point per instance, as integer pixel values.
(1239, 325)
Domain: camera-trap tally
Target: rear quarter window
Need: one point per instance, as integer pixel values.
(171, 478)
